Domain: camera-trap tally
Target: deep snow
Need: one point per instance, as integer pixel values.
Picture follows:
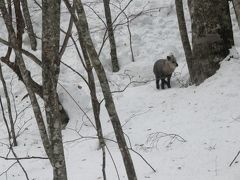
(185, 133)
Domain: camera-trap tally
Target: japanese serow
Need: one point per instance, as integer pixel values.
(163, 69)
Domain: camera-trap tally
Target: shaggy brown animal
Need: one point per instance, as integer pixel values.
(163, 69)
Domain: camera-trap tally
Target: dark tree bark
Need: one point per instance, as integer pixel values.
(212, 36)
(20, 22)
(83, 31)
(113, 49)
(50, 73)
(184, 35)
(9, 5)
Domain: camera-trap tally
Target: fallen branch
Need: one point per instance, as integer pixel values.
(23, 158)
(234, 159)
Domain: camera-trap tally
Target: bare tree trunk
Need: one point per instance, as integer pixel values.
(212, 36)
(236, 5)
(96, 112)
(5, 120)
(184, 35)
(94, 100)
(50, 72)
(13, 136)
(28, 21)
(20, 22)
(113, 49)
(26, 78)
(82, 27)
(9, 5)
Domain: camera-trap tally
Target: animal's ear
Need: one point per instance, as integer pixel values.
(168, 57)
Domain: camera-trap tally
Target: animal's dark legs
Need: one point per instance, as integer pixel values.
(157, 83)
(162, 83)
(168, 82)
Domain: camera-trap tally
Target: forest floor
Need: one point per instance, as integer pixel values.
(184, 133)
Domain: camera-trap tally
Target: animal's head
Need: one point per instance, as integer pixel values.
(172, 60)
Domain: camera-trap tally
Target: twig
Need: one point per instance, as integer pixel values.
(23, 158)
(8, 168)
(234, 159)
(115, 166)
(154, 138)
(139, 153)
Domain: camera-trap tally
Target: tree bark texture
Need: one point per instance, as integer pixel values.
(50, 72)
(212, 36)
(113, 49)
(19, 21)
(82, 27)
(184, 35)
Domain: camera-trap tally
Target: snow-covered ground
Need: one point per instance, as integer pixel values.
(185, 133)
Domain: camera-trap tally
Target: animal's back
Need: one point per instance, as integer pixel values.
(158, 68)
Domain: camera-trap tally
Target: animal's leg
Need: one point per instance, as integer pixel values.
(157, 83)
(168, 82)
(162, 83)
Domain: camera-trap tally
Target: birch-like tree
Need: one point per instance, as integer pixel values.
(81, 24)
(52, 139)
(113, 48)
(50, 73)
(184, 35)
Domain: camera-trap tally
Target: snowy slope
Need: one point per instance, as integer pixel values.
(184, 133)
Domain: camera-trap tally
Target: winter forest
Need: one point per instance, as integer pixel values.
(119, 90)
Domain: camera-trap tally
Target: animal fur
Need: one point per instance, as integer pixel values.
(163, 69)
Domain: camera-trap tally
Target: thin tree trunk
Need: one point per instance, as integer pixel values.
(67, 36)
(113, 49)
(20, 22)
(236, 5)
(94, 100)
(8, 54)
(9, 5)
(50, 73)
(9, 108)
(5, 120)
(96, 112)
(212, 36)
(184, 35)
(82, 27)
(28, 21)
